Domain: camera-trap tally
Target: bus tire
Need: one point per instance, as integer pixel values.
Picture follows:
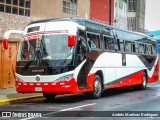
(49, 96)
(143, 85)
(144, 82)
(97, 88)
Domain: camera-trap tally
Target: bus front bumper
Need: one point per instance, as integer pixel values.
(47, 87)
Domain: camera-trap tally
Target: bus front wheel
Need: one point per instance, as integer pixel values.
(97, 88)
(49, 96)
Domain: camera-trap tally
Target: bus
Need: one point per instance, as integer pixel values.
(77, 55)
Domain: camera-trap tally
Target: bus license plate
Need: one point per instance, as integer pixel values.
(38, 89)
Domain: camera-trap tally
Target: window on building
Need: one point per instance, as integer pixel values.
(15, 2)
(19, 7)
(21, 11)
(132, 5)
(27, 13)
(1, 0)
(131, 23)
(14, 10)
(8, 1)
(21, 3)
(1, 8)
(27, 4)
(70, 6)
(8, 9)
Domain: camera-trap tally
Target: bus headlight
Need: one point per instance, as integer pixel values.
(64, 78)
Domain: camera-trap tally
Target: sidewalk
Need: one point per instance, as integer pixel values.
(10, 95)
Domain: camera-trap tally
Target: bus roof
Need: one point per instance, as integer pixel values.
(82, 21)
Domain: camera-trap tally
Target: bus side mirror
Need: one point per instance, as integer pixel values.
(71, 40)
(5, 44)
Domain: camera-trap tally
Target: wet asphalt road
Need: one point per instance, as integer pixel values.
(80, 106)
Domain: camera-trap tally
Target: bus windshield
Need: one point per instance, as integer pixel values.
(51, 47)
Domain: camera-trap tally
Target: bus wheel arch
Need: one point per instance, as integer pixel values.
(100, 74)
(97, 85)
(144, 80)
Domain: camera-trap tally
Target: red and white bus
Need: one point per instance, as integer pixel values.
(76, 55)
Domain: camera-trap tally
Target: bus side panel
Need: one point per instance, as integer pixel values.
(109, 77)
(155, 75)
(131, 78)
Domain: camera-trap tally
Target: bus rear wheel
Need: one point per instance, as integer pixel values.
(143, 85)
(97, 88)
(144, 82)
(49, 96)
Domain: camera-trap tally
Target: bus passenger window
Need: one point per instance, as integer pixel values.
(128, 46)
(94, 40)
(108, 43)
(154, 49)
(121, 42)
(141, 48)
(148, 49)
(135, 47)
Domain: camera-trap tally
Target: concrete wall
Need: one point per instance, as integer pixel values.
(53, 9)
(120, 14)
(140, 14)
(10, 21)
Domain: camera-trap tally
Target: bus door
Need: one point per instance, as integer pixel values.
(92, 46)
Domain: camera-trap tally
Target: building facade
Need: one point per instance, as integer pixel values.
(120, 14)
(102, 10)
(60, 8)
(136, 15)
(16, 14)
(125, 14)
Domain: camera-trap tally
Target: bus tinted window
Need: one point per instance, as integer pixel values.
(154, 49)
(148, 49)
(135, 47)
(94, 39)
(108, 43)
(128, 46)
(141, 48)
(121, 42)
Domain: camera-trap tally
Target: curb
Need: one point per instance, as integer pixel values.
(11, 100)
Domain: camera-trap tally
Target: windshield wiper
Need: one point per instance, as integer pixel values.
(27, 65)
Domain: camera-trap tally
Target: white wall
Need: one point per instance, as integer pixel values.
(120, 14)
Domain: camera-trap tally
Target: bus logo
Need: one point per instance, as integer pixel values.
(40, 70)
(37, 78)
